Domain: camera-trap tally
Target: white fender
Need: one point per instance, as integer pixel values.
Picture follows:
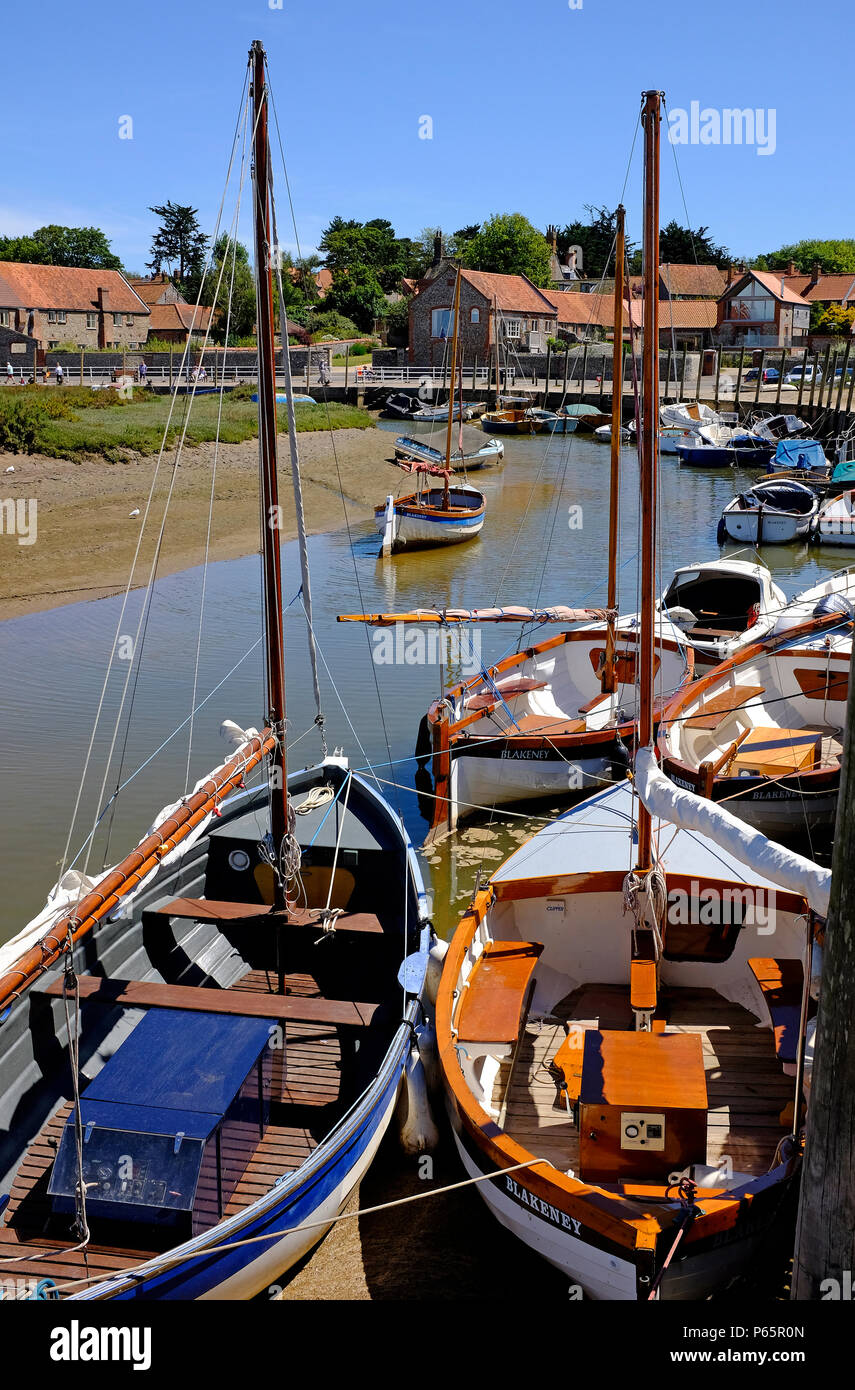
(429, 1053)
(388, 526)
(436, 956)
(418, 1132)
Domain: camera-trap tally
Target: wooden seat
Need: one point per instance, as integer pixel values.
(212, 910)
(131, 994)
(716, 710)
(769, 752)
(642, 986)
(497, 996)
(548, 726)
(782, 984)
(567, 1062)
(488, 699)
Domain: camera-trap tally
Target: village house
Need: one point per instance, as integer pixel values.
(591, 317)
(55, 304)
(509, 307)
(818, 288)
(172, 319)
(758, 310)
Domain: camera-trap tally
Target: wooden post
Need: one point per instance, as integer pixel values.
(584, 371)
(802, 381)
(825, 1234)
(82, 353)
(566, 369)
(760, 376)
(849, 397)
(170, 366)
(781, 379)
(814, 377)
(308, 363)
(668, 372)
(683, 373)
(718, 353)
(739, 377)
(843, 378)
(825, 376)
(346, 364)
(548, 363)
(475, 376)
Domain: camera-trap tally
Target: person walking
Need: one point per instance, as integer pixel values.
(143, 373)
(10, 374)
(60, 374)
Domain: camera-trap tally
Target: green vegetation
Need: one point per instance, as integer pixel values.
(73, 423)
(54, 245)
(836, 257)
(508, 244)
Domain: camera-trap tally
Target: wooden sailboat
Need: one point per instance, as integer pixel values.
(764, 730)
(440, 515)
(616, 1045)
(560, 715)
(192, 1085)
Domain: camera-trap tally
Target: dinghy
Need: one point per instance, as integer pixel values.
(764, 730)
(614, 1040)
(720, 605)
(834, 523)
(488, 456)
(528, 421)
(202, 1047)
(770, 513)
(433, 516)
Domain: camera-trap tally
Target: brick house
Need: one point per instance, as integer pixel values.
(66, 304)
(686, 323)
(759, 310)
(818, 288)
(171, 319)
(490, 304)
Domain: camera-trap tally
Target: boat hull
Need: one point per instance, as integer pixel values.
(411, 524)
(766, 528)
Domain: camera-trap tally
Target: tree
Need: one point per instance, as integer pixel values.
(837, 257)
(179, 238)
(373, 246)
(509, 245)
(357, 294)
(596, 237)
(232, 259)
(55, 245)
(833, 320)
(685, 246)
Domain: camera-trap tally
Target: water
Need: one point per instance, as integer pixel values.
(52, 664)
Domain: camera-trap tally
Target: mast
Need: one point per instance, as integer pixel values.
(456, 316)
(608, 680)
(650, 119)
(270, 512)
(496, 346)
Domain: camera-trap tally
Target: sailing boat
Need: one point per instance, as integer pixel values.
(558, 716)
(198, 1068)
(620, 1088)
(441, 515)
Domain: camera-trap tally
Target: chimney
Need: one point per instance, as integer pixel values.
(729, 281)
(816, 271)
(552, 238)
(103, 310)
(437, 247)
(791, 268)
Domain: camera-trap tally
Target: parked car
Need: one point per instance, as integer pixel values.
(838, 373)
(796, 375)
(769, 374)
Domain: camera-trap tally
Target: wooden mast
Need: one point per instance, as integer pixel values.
(496, 348)
(446, 501)
(608, 679)
(650, 120)
(270, 511)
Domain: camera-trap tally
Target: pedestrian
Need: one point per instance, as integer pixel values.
(59, 373)
(324, 372)
(143, 373)
(10, 374)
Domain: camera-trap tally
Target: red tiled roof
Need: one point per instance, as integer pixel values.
(693, 281)
(832, 288)
(178, 316)
(513, 293)
(687, 313)
(598, 310)
(159, 289)
(65, 287)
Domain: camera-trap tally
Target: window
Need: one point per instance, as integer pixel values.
(129, 320)
(91, 320)
(53, 342)
(475, 316)
(51, 315)
(441, 323)
(61, 316)
(117, 320)
(512, 328)
(4, 318)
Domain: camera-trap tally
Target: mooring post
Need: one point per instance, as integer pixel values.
(825, 1232)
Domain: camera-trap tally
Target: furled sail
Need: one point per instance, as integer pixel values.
(512, 614)
(789, 870)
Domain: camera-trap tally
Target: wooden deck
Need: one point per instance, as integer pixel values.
(746, 1085)
(310, 1101)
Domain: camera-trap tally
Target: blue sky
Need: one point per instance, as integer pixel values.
(533, 108)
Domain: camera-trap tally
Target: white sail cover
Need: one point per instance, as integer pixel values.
(781, 866)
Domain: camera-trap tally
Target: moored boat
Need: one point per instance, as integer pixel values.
(431, 516)
(770, 513)
(834, 523)
(461, 461)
